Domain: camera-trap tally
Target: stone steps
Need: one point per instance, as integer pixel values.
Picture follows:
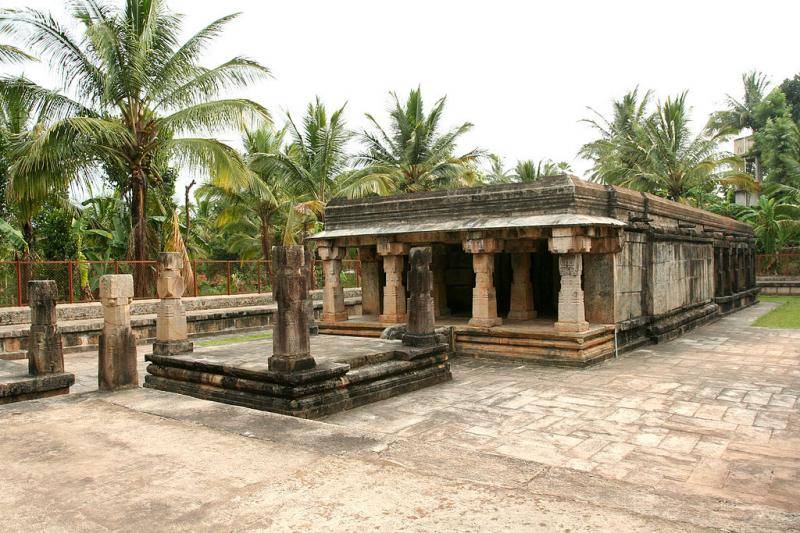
(352, 328)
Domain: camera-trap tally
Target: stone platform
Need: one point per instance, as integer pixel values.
(17, 385)
(519, 340)
(350, 372)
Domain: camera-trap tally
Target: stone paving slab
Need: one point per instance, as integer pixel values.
(712, 413)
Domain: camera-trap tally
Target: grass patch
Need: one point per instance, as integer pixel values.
(785, 316)
(231, 339)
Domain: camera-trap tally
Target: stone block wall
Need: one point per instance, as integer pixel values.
(630, 273)
(682, 274)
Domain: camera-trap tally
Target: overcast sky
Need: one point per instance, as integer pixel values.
(522, 72)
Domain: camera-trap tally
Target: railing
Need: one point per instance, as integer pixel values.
(778, 264)
(211, 277)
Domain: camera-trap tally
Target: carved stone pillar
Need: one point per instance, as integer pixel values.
(333, 309)
(420, 330)
(522, 307)
(571, 312)
(394, 292)
(291, 346)
(171, 332)
(484, 297)
(117, 361)
(45, 352)
(308, 272)
(439, 267)
(370, 281)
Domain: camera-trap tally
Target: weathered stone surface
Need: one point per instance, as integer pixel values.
(117, 368)
(171, 330)
(308, 271)
(394, 292)
(290, 339)
(522, 306)
(420, 331)
(484, 297)
(333, 309)
(370, 281)
(45, 352)
(571, 313)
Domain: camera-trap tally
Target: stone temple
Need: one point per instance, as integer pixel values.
(558, 271)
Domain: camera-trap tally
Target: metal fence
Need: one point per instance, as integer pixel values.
(778, 264)
(78, 281)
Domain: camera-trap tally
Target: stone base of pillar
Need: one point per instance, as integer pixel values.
(485, 322)
(410, 339)
(172, 347)
(521, 315)
(392, 319)
(334, 317)
(117, 368)
(291, 364)
(574, 327)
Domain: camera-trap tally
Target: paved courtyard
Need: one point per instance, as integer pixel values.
(701, 432)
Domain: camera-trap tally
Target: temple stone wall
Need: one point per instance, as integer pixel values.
(682, 274)
(630, 273)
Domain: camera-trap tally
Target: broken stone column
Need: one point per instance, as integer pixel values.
(484, 297)
(521, 288)
(370, 281)
(171, 333)
(439, 267)
(45, 352)
(571, 312)
(333, 309)
(117, 368)
(291, 346)
(308, 270)
(394, 292)
(420, 329)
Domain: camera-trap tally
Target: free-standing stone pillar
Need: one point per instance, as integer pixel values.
(117, 361)
(394, 292)
(291, 346)
(333, 309)
(308, 271)
(420, 329)
(570, 243)
(484, 297)
(370, 282)
(45, 352)
(521, 288)
(439, 267)
(171, 333)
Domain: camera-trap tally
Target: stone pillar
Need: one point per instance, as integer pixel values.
(117, 368)
(570, 243)
(171, 332)
(439, 267)
(521, 288)
(308, 272)
(420, 329)
(484, 297)
(333, 309)
(394, 292)
(571, 312)
(291, 345)
(370, 282)
(45, 352)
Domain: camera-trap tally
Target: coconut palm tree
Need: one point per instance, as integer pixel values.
(528, 170)
(142, 99)
(741, 114)
(776, 223)
(414, 154)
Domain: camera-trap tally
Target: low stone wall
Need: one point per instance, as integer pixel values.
(779, 285)
(81, 324)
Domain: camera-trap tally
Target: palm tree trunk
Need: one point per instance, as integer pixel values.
(266, 236)
(30, 240)
(138, 198)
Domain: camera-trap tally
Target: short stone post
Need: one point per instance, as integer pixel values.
(521, 288)
(420, 329)
(394, 292)
(370, 282)
(171, 333)
(45, 352)
(484, 297)
(117, 366)
(291, 346)
(333, 309)
(308, 270)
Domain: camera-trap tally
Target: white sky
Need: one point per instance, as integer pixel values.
(522, 72)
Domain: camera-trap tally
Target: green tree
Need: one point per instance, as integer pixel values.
(142, 97)
(743, 112)
(779, 146)
(775, 223)
(791, 88)
(413, 154)
(529, 170)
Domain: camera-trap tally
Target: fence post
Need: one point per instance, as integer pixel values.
(116, 267)
(19, 283)
(194, 278)
(258, 270)
(70, 287)
(228, 266)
